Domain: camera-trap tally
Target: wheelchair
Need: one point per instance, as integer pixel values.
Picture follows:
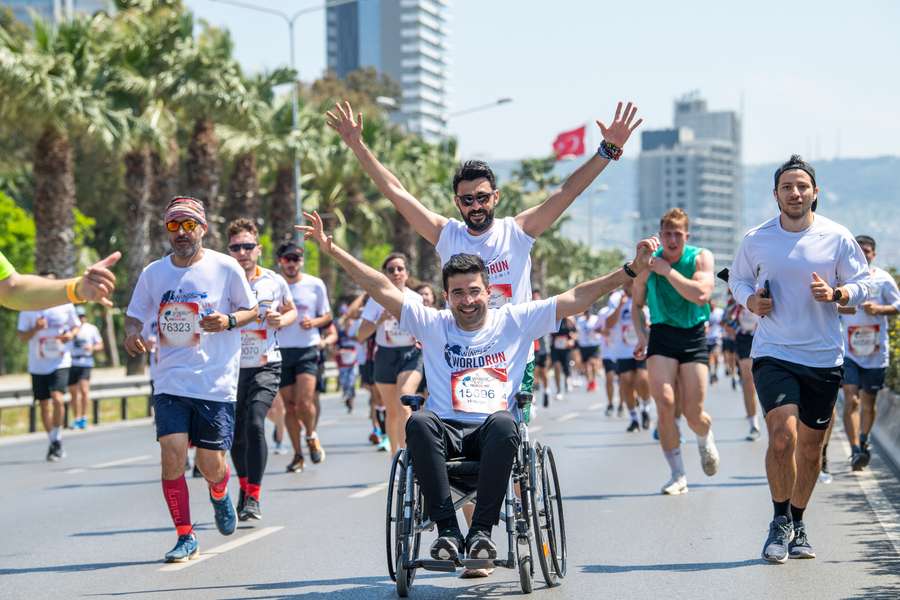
(533, 518)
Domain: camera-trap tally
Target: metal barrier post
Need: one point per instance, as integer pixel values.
(96, 410)
(124, 409)
(32, 419)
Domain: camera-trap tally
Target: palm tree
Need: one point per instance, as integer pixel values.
(52, 86)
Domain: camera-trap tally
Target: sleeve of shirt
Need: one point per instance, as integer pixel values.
(520, 235)
(141, 305)
(853, 272)
(889, 292)
(239, 291)
(74, 321)
(444, 243)
(371, 311)
(26, 320)
(741, 277)
(536, 318)
(418, 319)
(6, 268)
(324, 306)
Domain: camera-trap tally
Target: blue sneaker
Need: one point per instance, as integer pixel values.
(226, 518)
(185, 549)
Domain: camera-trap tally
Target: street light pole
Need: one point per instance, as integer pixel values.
(466, 111)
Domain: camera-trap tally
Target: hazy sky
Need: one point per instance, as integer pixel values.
(818, 78)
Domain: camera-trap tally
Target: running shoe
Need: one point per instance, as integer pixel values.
(546, 399)
(58, 450)
(609, 410)
(559, 396)
(620, 411)
(860, 460)
(709, 458)
(676, 486)
(800, 546)
(250, 510)
(280, 448)
(754, 434)
(296, 465)
(824, 474)
(635, 426)
(51, 453)
(645, 419)
(384, 445)
(316, 451)
(348, 402)
(447, 546)
(185, 549)
(375, 436)
(714, 378)
(656, 433)
(781, 532)
(479, 545)
(226, 519)
(733, 383)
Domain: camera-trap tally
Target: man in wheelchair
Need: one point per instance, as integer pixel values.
(475, 359)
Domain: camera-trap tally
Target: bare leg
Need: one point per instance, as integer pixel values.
(693, 378)
(851, 414)
(292, 417)
(809, 461)
(663, 372)
(746, 365)
(781, 466)
(868, 411)
(305, 401)
(276, 415)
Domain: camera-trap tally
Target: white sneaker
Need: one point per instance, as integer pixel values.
(675, 486)
(709, 458)
(825, 477)
(559, 396)
(280, 448)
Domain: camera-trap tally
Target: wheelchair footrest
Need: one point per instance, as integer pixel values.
(447, 566)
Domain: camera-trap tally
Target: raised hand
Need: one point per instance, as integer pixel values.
(644, 254)
(98, 282)
(622, 126)
(345, 123)
(315, 231)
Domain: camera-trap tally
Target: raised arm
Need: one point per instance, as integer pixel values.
(374, 282)
(580, 298)
(638, 300)
(349, 126)
(698, 289)
(537, 219)
(30, 292)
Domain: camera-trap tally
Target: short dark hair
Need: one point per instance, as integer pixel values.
(868, 240)
(472, 170)
(242, 224)
(464, 263)
(394, 256)
(795, 162)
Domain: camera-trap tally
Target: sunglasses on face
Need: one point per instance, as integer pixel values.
(188, 226)
(292, 258)
(238, 247)
(393, 270)
(469, 199)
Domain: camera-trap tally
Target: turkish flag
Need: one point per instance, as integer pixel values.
(569, 143)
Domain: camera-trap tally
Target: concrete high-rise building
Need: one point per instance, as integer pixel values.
(404, 39)
(54, 10)
(696, 166)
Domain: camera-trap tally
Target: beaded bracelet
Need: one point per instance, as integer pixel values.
(609, 151)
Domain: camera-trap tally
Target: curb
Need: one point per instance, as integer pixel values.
(886, 431)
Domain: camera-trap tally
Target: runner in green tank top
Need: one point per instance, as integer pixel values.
(677, 288)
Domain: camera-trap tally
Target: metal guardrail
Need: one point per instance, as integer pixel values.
(20, 396)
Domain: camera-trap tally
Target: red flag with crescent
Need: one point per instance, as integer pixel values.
(569, 143)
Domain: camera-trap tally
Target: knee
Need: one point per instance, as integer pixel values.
(782, 440)
(502, 426)
(810, 450)
(419, 424)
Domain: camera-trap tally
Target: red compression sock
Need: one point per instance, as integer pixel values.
(220, 489)
(243, 482)
(175, 491)
(253, 490)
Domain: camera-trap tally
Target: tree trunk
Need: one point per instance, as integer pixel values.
(138, 187)
(428, 267)
(281, 208)
(203, 178)
(54, 201)
(243, 191)
(404, 239)
(165, 187)
(110, 340)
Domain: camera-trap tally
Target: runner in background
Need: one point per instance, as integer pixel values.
(561, 343)
(347, 355)
(589, 339)
(714, 340)
(629, 370)
(85, 343)
(541, 364)
(745, 326)
(729, 346)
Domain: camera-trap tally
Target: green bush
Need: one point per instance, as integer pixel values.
(17, 244)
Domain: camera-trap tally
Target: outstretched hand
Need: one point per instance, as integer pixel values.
(315, 231)
(644, 253)
(622, 127)
(98, 282)
(345, 123)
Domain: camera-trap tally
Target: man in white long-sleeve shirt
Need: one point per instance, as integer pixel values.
(794, 271)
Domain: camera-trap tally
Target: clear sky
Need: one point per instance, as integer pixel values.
(818, 78)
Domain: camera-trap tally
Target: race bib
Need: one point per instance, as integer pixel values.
(395, 336)
(481, 390)
(501, 293)
(50, 347)
(629, 335)
(561, 342)
(346, 357)
(254, 343)
(179, 324)
(863, 339)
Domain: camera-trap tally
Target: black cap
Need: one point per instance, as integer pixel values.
(289, 248)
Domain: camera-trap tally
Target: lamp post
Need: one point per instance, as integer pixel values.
(480, 107)
(290, 19)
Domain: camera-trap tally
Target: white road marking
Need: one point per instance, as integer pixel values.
(222, 549)
(112, 463)
(328, 422)
(567, 417)
(73, 471)
(534, 429)
(597, 406)
(372, 489)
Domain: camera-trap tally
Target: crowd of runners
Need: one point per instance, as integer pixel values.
(232, 343)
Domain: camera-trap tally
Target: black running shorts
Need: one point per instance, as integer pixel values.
(588, 352)
(259, 384)
(77, 374)
(684, 345)
(812, 389)
(298, 361)
(43, 385)
(744, 343)
(390, 362)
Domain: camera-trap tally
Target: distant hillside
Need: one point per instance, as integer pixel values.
(861, 193)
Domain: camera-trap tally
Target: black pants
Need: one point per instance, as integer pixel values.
(431, 442)
(256, 391)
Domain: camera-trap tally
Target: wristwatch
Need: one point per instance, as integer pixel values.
(232, 322)
(629, 271)
(837, 295)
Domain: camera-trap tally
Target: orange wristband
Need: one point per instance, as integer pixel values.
(70, 291)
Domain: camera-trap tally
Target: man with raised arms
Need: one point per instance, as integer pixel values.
(475, 359)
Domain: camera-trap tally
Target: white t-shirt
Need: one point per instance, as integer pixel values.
(746, 320)
(192, 363)
(866, 336)
(259, 343)
(472, 374)
(389, 333)
(588, 336)
(714, 332)
(799, 329)
(506, 251)
(88, 335)
(605, 345)
(622, 336)
(46, 352)
(311, 299)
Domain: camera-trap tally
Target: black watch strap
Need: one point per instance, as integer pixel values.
(836, 295)
(628, 271)
(232, 322)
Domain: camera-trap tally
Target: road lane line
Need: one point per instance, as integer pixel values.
(222, 549)
(73, 471)
(124, 461)
(534, 429)
(372, 489)
(567, 417)
(597, 406)
(328, 422)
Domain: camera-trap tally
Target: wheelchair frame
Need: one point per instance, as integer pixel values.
(536, 514)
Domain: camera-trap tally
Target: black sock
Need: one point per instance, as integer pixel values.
(782, 509)
(796, 514)
(864, 441)
(448, 527)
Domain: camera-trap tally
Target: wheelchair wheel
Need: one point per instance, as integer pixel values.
(554, 509)
(542, 531)
(391, 536)
(408, 515)
(525, 563)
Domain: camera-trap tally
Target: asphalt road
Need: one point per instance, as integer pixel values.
(95, 525)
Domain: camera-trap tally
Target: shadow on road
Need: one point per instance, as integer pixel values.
(197, 527)
(319, 488)
(76, 486)
(674, 567)
(723, 485)
(76, 568)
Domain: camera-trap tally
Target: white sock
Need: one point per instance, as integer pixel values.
(676, 463)
(633, 413)
(55, 434)
(705, 440)
(754, 421)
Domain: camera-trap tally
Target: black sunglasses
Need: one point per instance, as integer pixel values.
(238, 247)
(292, 258)
(482, 198)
